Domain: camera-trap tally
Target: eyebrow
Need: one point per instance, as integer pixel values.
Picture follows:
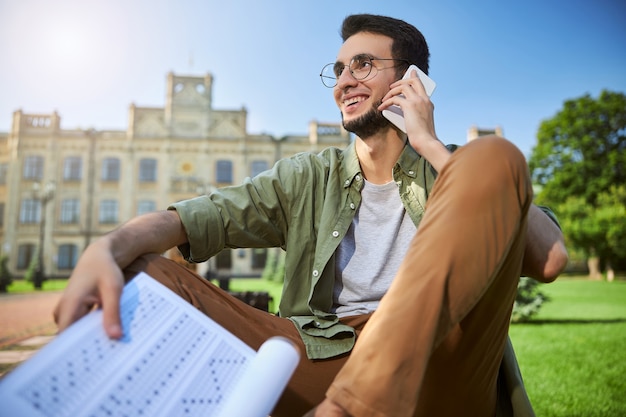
(370, 56)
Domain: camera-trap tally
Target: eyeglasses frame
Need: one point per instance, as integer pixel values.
(371, 58)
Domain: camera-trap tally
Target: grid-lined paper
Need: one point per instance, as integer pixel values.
(172, 360)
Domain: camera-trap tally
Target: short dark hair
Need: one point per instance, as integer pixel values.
(408, 42)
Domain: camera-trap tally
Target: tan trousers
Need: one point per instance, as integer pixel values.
(435, 345)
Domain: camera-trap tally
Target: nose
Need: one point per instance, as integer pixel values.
(346, 79)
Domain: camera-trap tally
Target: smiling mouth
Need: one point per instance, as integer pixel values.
(354, 100)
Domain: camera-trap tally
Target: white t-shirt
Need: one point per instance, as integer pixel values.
(371, 252)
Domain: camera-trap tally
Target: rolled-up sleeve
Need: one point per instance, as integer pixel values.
(250, 215)
(204, 227)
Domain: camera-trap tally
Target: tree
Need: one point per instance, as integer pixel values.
(599, 231)
(579, 164)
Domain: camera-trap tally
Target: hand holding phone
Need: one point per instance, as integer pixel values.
(394, 113)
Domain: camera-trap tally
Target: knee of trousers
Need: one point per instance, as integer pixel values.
(501, 152)
(489, 165)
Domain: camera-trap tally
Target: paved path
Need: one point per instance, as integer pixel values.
(25, 315)
(26, 324)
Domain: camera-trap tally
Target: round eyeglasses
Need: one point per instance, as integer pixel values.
(360, 67)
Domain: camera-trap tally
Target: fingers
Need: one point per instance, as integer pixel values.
(96, 281)
(407, 92)
(415, 85)
(110, 292)
(67, 312)
(72, 307)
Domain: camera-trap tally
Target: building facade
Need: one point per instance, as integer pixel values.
(61, 189)
(475, 132)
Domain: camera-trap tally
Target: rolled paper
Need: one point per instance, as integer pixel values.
(263, 381)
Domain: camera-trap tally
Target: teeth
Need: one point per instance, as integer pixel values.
(353, 100)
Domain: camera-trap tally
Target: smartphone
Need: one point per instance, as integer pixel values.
(394, 113)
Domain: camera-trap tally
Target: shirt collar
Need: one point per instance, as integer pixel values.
(407, 162)
(351, 166)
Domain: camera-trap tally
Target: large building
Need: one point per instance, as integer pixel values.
(60, 189)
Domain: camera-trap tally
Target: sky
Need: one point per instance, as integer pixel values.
(496, 63)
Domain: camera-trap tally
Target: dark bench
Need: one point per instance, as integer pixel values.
(224, 279)
(257, 299)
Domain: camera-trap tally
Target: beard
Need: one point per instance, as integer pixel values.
(368, 124)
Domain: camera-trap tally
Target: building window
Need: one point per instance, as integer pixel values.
(4, 172)
(108, 211)
(148, 170)
(33, 168)
(70, 211)
(68, 255)
(30, 211)
(258, 167)
(72, 168)
(25, 254)
(110, 169)
(259, 258)
(224, 173)
(223, 260)
(145, 206)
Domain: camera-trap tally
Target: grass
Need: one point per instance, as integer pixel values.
(20, 286)
(573, 353)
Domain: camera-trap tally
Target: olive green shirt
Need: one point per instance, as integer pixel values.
(304, 205)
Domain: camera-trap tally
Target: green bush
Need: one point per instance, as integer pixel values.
(32, 273)
(6, 278)
(528, 300)
(274, 266)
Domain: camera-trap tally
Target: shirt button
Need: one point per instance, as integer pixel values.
(352, 206)
(335, 233)
(358, 177)
(317, 323)
(316, 273)
(411, 172)
(347, 182)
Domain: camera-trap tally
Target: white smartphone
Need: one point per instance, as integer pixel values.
(394, 113)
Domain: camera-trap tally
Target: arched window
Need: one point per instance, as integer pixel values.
(72, 168)
(70, 211)
(68, 255)
(145, 206)
(148, 170)
(258, 167)
(108, 211)
(224, 174)
(33, 168)
(25, 254)
(111, 169)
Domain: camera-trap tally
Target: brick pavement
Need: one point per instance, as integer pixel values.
(26, 324)
(26, 315)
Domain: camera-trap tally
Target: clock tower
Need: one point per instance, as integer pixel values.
(188, 105)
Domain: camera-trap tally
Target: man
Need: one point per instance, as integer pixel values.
(436, 343)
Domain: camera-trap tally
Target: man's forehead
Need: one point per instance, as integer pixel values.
(365, 43)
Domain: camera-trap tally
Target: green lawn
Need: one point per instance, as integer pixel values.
(20, 286)
(573, 353)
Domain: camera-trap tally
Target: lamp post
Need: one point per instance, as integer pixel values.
(91, 169)
(43, 195)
